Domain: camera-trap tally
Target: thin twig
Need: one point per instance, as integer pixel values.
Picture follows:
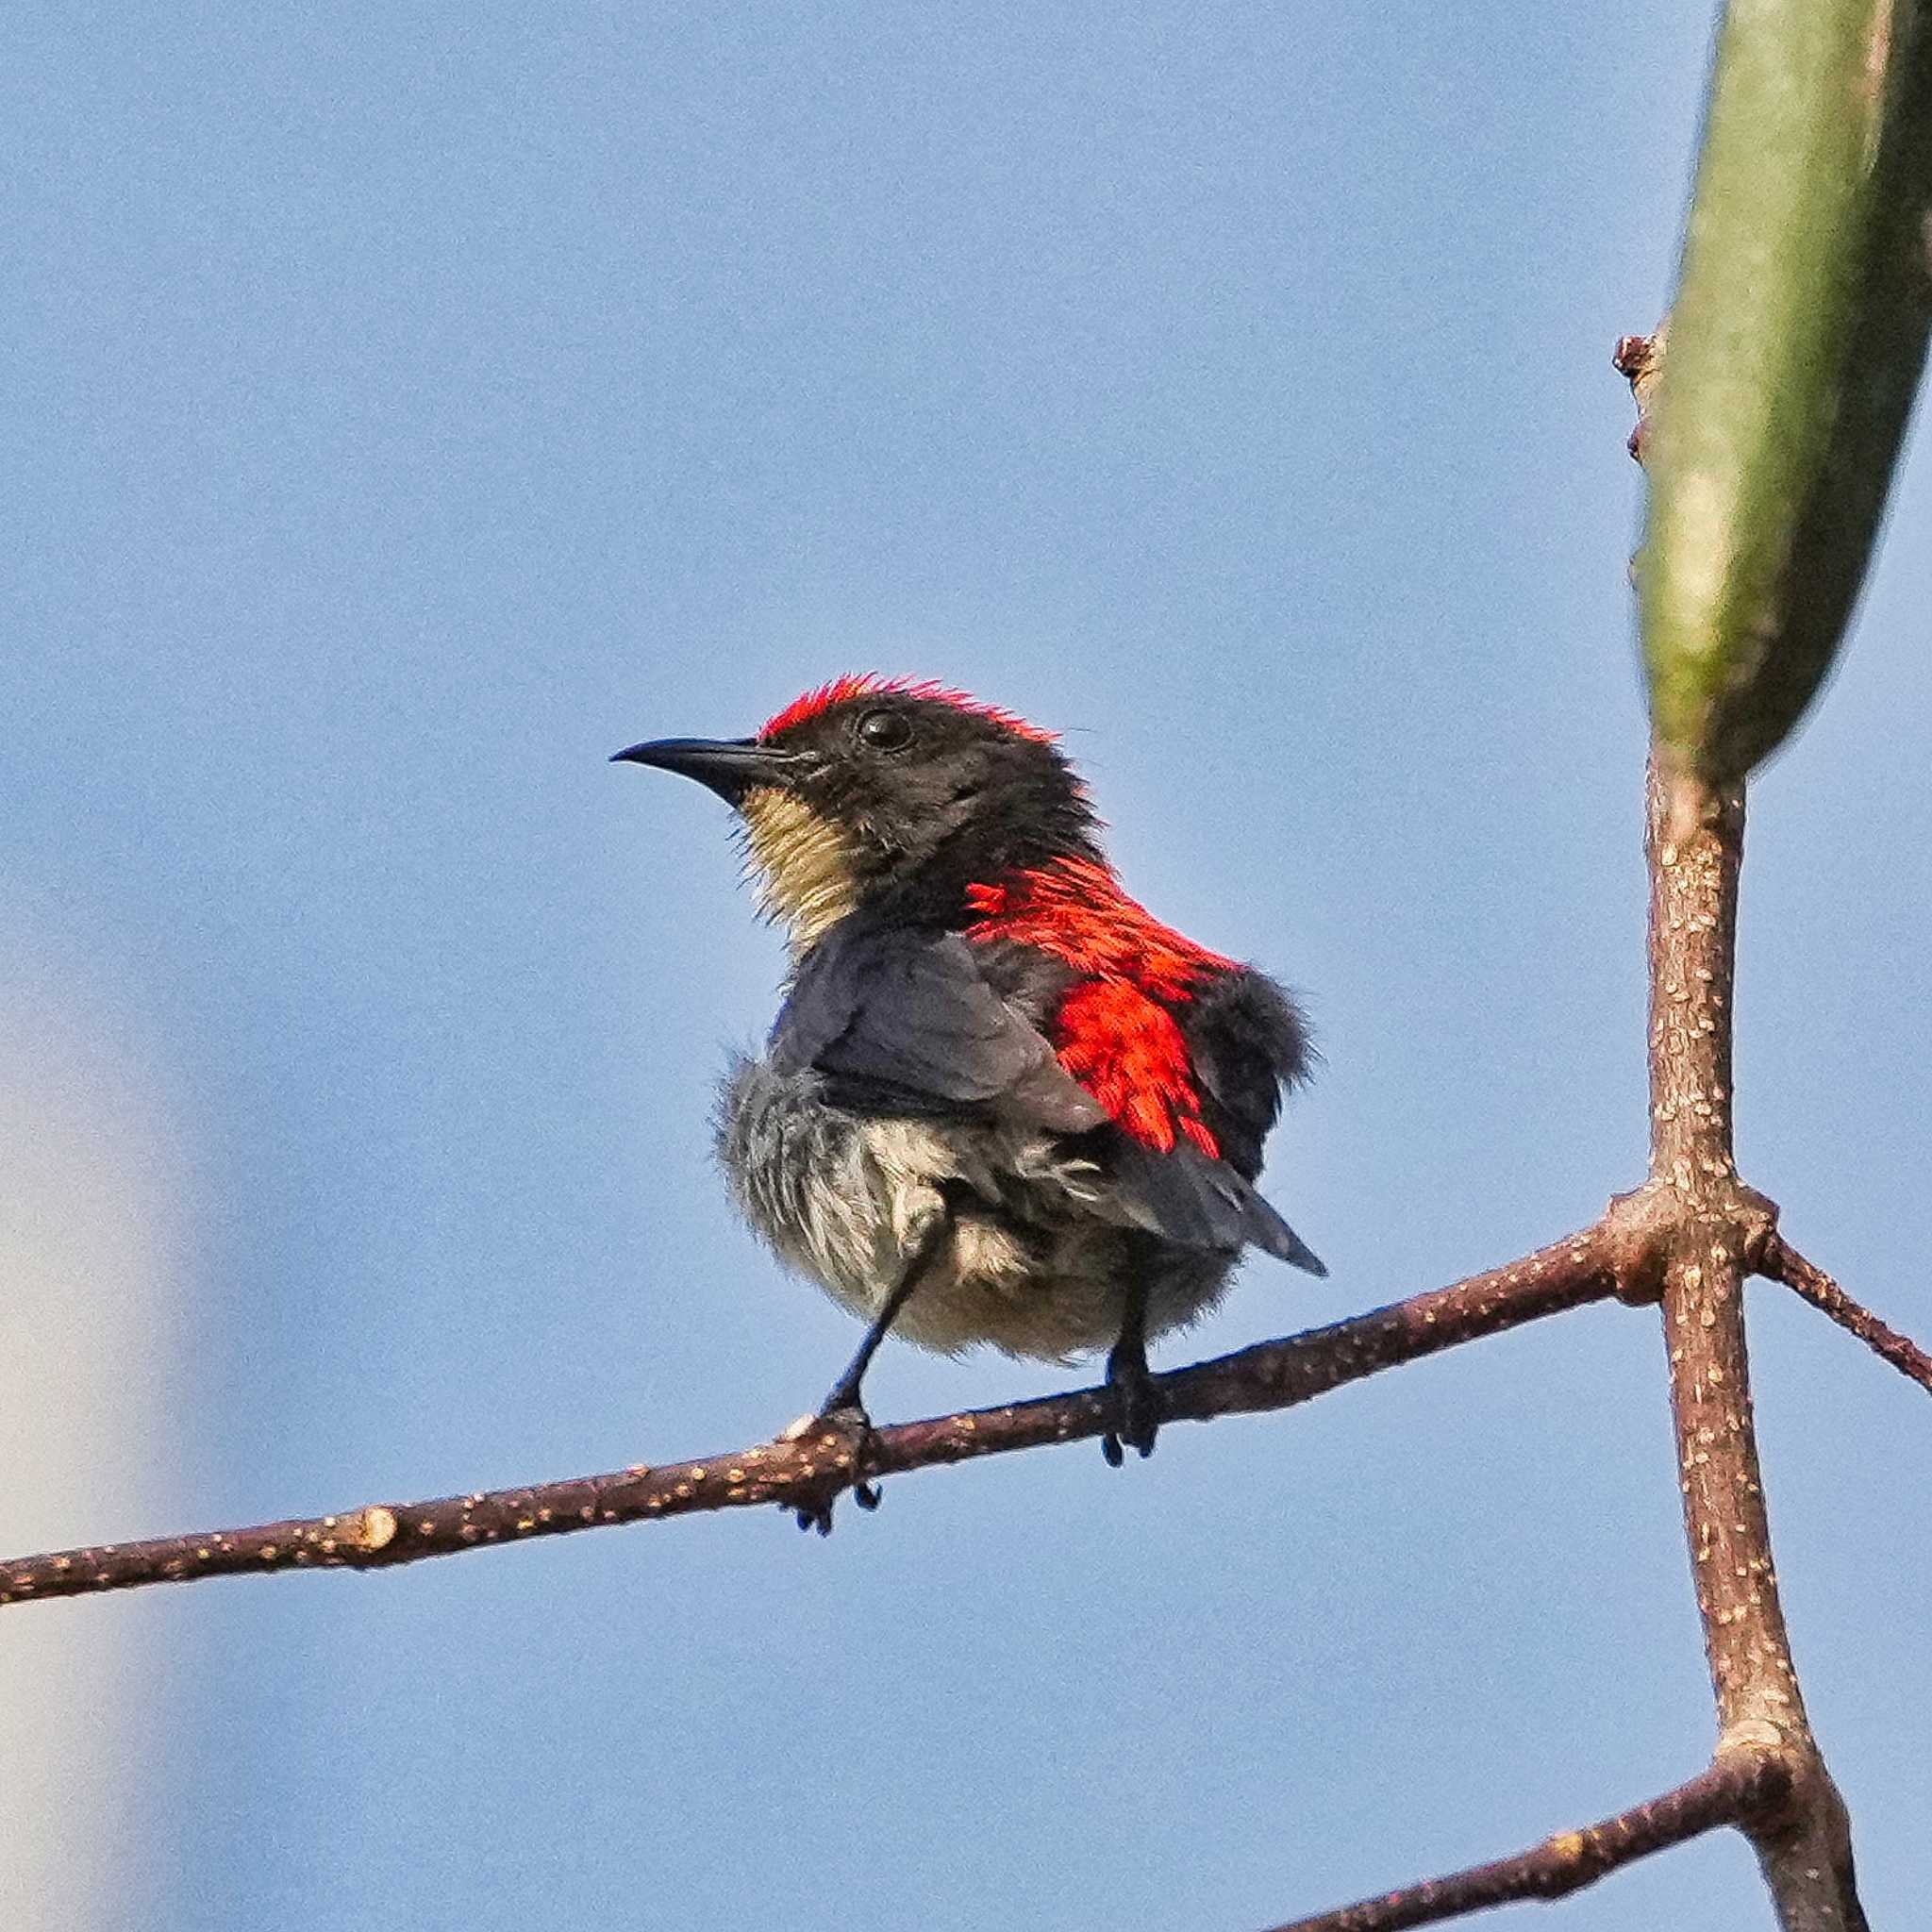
(1783, 1263)
(817, 1464)
(1739, 1787)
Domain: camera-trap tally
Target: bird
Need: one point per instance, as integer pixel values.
(1001, 1103)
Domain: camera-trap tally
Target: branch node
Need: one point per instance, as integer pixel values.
(1755, 1216)
(1635, 1236)
(375, 1528)
(1639, 361)
(1751, 1737)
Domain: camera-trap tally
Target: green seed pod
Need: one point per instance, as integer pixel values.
(1796, 341)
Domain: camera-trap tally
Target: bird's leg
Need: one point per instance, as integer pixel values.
(843, 1408)
(1137, 1406)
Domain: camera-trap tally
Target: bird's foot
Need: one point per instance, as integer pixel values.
(844, 1431)
(1137, 1406)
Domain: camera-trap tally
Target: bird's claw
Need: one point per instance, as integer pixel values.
(1137, 1413)
(846, 1429)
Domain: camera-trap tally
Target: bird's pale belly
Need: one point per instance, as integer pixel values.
(845, 1197)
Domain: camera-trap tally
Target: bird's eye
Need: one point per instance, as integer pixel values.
(885, 730)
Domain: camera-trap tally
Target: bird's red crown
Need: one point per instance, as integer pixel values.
(870, 684)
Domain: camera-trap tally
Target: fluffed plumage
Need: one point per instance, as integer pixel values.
(993, 1070)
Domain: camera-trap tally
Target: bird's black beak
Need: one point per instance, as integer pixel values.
(730, 767)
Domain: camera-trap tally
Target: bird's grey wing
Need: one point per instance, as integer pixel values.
(906, 1019)
(905, 1022)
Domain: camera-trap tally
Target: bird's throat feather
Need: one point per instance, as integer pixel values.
(803, 864)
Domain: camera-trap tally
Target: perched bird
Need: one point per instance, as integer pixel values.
(1002, 1103)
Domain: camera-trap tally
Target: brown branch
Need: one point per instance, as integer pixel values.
(1739, 1787)
(1700, 1231)
(1717, 1230)
(1704, 1231)
(1783, 1263)
(815, 1466)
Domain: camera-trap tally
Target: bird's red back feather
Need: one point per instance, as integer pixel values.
(1116, 1031)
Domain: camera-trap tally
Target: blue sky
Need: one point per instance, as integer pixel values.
(406, 411)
